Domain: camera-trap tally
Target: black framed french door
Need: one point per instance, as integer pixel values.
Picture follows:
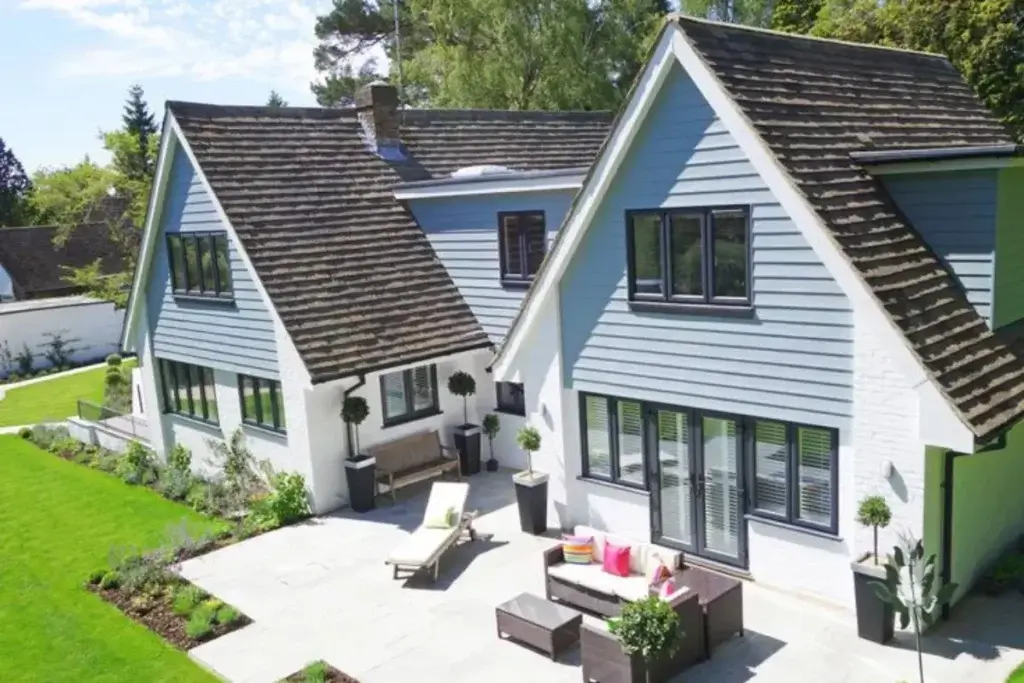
(697, 482)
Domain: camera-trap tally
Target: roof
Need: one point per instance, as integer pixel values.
(37, 266)
(351, 274)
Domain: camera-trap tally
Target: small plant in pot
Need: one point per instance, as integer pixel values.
(875, 618)
(531, 486)
(649, 629)
(491, 427)
(466, 435)
(359, 469)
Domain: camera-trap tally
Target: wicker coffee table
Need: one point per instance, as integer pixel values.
(534, 621)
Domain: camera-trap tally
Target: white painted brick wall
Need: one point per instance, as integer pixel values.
(885, 428)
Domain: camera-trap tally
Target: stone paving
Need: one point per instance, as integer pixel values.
(321, 591)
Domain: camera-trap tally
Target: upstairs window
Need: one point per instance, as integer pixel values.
(261, 403)
(409, 394)
(689, 256)
(199, 264)
(522, 241)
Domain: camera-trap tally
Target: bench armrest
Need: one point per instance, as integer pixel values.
(449, 452)
(553, 556)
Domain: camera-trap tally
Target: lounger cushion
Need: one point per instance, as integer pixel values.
(422, 546)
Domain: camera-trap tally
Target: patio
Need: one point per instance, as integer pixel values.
(321, 591)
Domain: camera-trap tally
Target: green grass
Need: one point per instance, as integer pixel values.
(53, 399)
(1017, 676)
(58, 522)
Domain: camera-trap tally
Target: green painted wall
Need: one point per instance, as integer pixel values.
(933, 464)
(988, 507)
(1008, 299)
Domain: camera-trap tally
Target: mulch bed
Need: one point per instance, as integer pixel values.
(333, 676)
(161, 619)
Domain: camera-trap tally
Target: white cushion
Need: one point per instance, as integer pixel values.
(444, 495)
(592, 576)
(422, 546)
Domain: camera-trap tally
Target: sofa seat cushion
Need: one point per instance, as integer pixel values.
(593, 577)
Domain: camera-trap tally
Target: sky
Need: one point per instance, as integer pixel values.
(68, 64)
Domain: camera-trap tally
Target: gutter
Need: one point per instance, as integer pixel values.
(1008, 149)
(348, 428)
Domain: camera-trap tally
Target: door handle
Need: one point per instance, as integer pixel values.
(700, 485)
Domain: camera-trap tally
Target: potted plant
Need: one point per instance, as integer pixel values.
(531, 487)
(875, 617)
(910, 589)
(648, 631)
(360, 469)
(491, 427)
(467, 435)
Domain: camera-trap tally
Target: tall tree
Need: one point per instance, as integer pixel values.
(14, 188)
(139, 122)
(748, 12)
(340, 83)
(504, 54)
(275, 101)
(795, 16)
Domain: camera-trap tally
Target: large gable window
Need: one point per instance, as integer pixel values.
(689, 256)
(409, 394)
(522, 241)
(189, 390)
(199, 264)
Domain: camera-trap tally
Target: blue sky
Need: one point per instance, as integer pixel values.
(69, 63)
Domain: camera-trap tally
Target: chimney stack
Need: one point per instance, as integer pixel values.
(377, 107)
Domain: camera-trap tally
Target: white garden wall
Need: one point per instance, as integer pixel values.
(92, 327)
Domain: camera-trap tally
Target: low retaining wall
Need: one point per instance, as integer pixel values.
(99, 434)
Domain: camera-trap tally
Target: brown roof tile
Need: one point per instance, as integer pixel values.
(37, 266)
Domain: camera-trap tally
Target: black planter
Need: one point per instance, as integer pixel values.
(875, 617)
(361, 473)
(467, 443)
(532, 500)
(491, 465)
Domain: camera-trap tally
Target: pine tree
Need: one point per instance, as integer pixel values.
(139, 122)
(14, 188)
(275, 101)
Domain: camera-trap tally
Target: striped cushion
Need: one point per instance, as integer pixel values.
(578, 549)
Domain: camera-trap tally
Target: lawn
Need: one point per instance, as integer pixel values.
(54, 399)
(58, 521)
(1017, 676)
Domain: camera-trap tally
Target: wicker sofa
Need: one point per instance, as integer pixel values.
(604, 661)
(590, 588)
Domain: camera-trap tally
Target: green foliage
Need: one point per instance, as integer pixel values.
(874, 511)
(110, 580)
(113, 360)
(187, 598)
(44, 436)
(749, 12)
(795, 16)
(528, 439)
(286, 503)
(66, 447)
(58, 349)
(275, 101)
(491, 426)
(648, 627)
(242, 480)
(354, 411)
(96, 575)
(14, 189)
(1017, 676)
(140, 124)
(174, 484)
(462, 384)
(227, 615)
(137, 571)
(25, 432)
(200, 623)
(180, 458)
(316, 672)
(1009, 568)
(136, 465)
(25, 359)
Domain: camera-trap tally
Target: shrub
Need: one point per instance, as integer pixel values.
(110, 580)
(25, 433)
(648, 627)
(227, 615)
(874, 511)
(186, 599)
(113, 360)
(58, 349)
(180, 458)
(354, 411)
(241, 478)
(316, 672)
(491, 426)
(24, 359)
(96, 575)
(66, 447)
(181, 542)
(139, 571)
(200, 624)
(174, 484)
(44, 436)
(136, 465)
(462, 384)
(287, 501)
(528, 439)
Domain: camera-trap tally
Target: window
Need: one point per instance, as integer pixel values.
(261, 402)
(511, 398)
(409, 394)
(613, 440)
(522, 242)
(188, 390)
(794, 474)
(199, 264)
(689, 256)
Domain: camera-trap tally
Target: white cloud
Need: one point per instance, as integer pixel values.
(270, 41)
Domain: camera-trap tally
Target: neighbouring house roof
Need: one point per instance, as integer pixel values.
(37, 266)
(351, 274)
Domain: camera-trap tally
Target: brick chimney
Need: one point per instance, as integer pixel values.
(377, 106)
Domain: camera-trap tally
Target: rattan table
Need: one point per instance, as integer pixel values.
(534, 621)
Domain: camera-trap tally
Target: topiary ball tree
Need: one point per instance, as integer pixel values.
(491, 427)
(528, 439)
(649, 628)
(874, 511)
(462, 384)
(354, 412)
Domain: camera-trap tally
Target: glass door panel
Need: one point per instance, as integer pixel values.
(721, 487)
(676, 476)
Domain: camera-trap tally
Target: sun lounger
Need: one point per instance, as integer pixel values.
(445, 521)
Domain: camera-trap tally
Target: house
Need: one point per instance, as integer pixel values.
(37, 301)
(780, 280)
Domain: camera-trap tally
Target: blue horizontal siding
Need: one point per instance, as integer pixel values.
(793, 360)
(236, 337)
(464, 234)
(955, 212)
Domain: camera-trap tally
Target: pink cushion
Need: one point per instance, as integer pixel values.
(616, 559)
(667, 588)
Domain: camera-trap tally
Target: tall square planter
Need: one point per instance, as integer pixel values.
(467, 443)
(875, 618)
(532, 501)
(361, 474)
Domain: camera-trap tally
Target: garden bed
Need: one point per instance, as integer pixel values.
(319, 672)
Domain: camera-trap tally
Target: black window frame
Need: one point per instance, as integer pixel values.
(523, 278)
(613, 442)
(410, 414)
(667, 300)
(197, 406)
(792, 481)
(517, 407)
(263, 389)
(218, 290)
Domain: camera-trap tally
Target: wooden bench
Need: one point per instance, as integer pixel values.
(411, 459)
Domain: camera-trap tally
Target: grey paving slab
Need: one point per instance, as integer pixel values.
(321, 591)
